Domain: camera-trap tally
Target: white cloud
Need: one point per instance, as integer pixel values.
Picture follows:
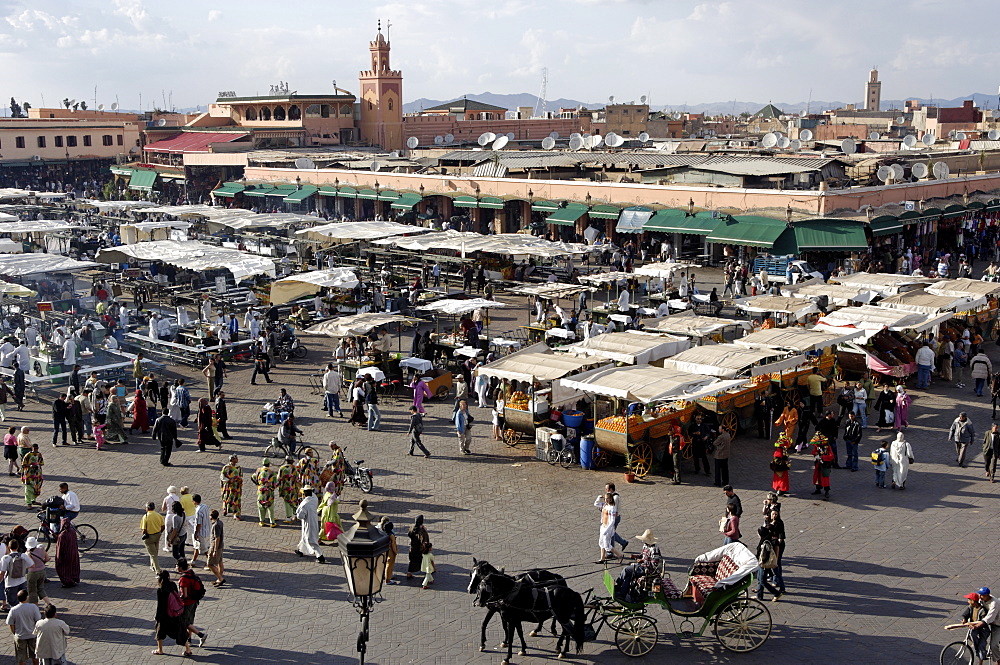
(214, 14)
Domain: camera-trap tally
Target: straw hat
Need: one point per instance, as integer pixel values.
(647, 537)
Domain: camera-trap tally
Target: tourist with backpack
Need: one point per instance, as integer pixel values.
(880, 458)
(191, 592)
(14, 570)
(169, 610)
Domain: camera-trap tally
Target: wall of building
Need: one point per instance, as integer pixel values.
(57, 135)
(626, 119)
(69, 114)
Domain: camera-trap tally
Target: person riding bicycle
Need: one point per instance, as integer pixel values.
(979, 633)
(286, 434)
(989, 619)
(71, 502)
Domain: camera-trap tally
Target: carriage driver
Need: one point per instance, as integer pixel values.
(650, 560)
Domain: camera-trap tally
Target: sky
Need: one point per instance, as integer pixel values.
(181, 53)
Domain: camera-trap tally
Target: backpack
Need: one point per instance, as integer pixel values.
(16, 568)
(175, 606)
(198, 590)
(878, 456)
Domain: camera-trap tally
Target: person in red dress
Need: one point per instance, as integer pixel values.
(780, 466)
(822, 464)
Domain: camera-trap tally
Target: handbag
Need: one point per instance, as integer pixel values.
(768, 557)
(890, 417)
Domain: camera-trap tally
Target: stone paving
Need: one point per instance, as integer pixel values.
(872, 575)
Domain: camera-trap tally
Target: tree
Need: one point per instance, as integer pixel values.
(15, 109)
(83, 106)
(26, 106)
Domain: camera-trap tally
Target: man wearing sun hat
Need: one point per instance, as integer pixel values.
(989, 617)
(36, 571)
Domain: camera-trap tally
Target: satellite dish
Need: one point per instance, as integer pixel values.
(449, 138)
(951, 134)
(960, 136)
(376, 167)
(928, 139)
(806, 135)
(491, 137)
(575, 143)
(779, 134)
(510, 136)
(874, 136)
(304, 163)
(783, 142)
(548, 143)
(611, 99)
(848, 146)
(941, 170)
(883, 173)
(796, 144)
(910, 141)
(770, 140)
(438, 140)
(642, 100)
(643, 136)
(993, 135)
(412, 142)
(575, 135)
(100, 107)
(897, 172)
(677, 116)
(618, 141)
(500, 142)
(610, 139)
(553, 135)
(901, 119)
(919, 170)
(162, 122)
(396, 154)
(595, 141)
(114, 106)
(482, 140)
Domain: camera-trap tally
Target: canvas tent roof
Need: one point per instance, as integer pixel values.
(794, 307)
(664, 269)
(964, 286)
(347, 231)
(39, 226)
(457, 307)
(308, 283)
(727, 361)
(872, 319)
(885, 284)
(693, 325)
(357, 324)
(514, 244)
(16, 265)
(537, 361)
(921, 302)
(636, 348)
(192, 255)
(551, 290)
(797, 339)
(838, 294)
(648, 383)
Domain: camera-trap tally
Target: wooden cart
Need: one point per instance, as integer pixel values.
(639, 437)
(735, 406)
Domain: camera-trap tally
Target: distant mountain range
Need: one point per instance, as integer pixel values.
(511, 102)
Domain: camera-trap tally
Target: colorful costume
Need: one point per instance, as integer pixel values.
(780, 465)
(329, 515)
(288, 487)
(336, 466)
(421, 391)
(31, 476)
(266, 480)
(788, 419)
(903, 402)
(232, 489)
(115, 430)
(822, 463)
(140, 416)
(308, 468)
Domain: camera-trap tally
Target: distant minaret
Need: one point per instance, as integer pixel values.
(381, 98)
(873, 91)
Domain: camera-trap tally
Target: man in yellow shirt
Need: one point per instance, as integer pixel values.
(815, 383)
(152, 530)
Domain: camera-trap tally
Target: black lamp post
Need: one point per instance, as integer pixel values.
(364, 551)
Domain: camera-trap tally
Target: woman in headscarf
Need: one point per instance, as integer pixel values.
(418, 538)
(67, 555)
(174, 403)
(206, 434)
(390, 563)
(232, 488)
(885, 406)
(788, 419)
(903, 401)
(115, 430)
(337, 468)
(166, 625)
(31, 475)
(421, 391)
(901, 455)
(329, 515)
(358, 416)
(140, 415)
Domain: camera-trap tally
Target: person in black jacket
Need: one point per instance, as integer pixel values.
(762, 406)
(828, 427)
(221, 413)
(60, 418)
(19, 386)
(701, 434)
(852, 437)
(806, 417)
(415, 430)
(165, 431)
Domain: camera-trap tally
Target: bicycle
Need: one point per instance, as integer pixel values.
(564, 455)
(86, 534)
(278, 450)
(959, 653)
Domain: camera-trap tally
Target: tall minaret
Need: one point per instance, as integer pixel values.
(873, 91)
(381, 98)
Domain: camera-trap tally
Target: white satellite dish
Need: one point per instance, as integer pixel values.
(376, 167)
(553, 135)
(770, 140)
(941, 170)
(677, 116)
(162, 122)
(806, 135)
(910, 141)
(575, 135)
(510, 136)
(901, 119)
(438, 140)
(928, 139)
(100, 107)
(500, 142)
(548, 143)
(874, 136)
(960, 136)
(883, 173)
(618, 142)
(490, 137)
(114, 106)
(796, 144)
(611, 99)
(304, 163)
(576, 143)
(412, 142)
(783, 142)
(449, 138)
(595, 141)
(919, 170)
(643, 136)
(897, 172)
(642, 100)
(848, 146)
(779, 134)
(482, 140)
(993, 135)
(951, 134)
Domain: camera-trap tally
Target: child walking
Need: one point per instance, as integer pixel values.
(427, 566)
(880, 458)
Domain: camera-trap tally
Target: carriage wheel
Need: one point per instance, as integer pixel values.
(636, 636)
(641, 457)
(687, 452)
(442, 392)
(790, 395)
(742, 624)
(512, 437)
(828, 397)
(600, 458)
(729, 422)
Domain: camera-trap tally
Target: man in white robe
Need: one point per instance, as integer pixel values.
(309, 519)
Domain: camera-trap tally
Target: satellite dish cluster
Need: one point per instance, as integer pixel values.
(920, 171)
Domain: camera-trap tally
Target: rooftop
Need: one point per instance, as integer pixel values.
(464, 105)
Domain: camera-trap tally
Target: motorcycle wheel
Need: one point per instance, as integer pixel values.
(364, 482)
(301, 351)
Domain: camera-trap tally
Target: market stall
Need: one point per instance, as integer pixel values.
(631, 347)
(885, 284)
(695, 326)
(791, 309)
(190, 255)
(984, 316)
(838, 295)
(18, 265)
(341, 232)
(533, 331)
(359, 325)
(309, 283)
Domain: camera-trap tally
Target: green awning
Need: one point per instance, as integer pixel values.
(229, 190)
(142, 180)
(748, 230)
(933, 212)
(633, 219)
(347, 193)
(491, 202)
(838, 235)
(406, 201)
(954, 211)
(544, 206)
(260, 190)
(300, 195)
(976, 205)
(567, 216)
(464, 201)
(675, 220)
(121, 170)
(886, 225)
(388, 195)
(605, 212)
(327, 190)
(281, 190)
(370, 194)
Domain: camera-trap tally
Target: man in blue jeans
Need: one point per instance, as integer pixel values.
(925, 363)
(852, 437)
(610, 488)
(332, 383)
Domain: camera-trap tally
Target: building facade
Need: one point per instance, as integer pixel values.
(381, 96)
(873, 92)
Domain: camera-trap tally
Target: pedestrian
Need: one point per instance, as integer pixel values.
(19, 385)
(981, 368)
(190, 514)
(880, 458)
(830, 428)
(772, 532)
(991, 451)
(215, 549)
(308, 519)
(606, 533)
(675, 449)
(151, 526)
(901, 455)
(36, 572)
(288, 487)
(860, 404)
(169, 609)
(762, 407)
(266, 481)
(885, 406)
(332, 383)
(959, 361)
(418, 537)
(114, 432)
(815, 383)
(329, 516)
(22, 619)
(74, 418)
(67, 554)
(140, 414)
(31, 474)
(310, 472)
(730, 526)
(780, 465)
(427, 566)
(176, 529)
(720, 453)
(231, 479)
(191, 592)
(209, 371)
(50, 636)
(925, 364)
(463, 426)
(701, 434)
(386, 527)
(221, 414)
(415, 430)
(165, 431)
(183, 401)
(961, 433)
(822, 465)
(358, 418)
(461, 389)
(14, 567)
(166, 507)
(202, 529)
(421, 391)
(371, 403)
(10, 452)
(261, 365)
(206, 433)
(852, 437)
(137, 372)
(60, 419)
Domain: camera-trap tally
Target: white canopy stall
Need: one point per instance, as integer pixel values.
(922, 302)
(690, 324)
(147, 231)
(727, 361)
(539, 362)
(647, 383)
(885, 284)
(964, 287)
(310, 283)
(798, 339)
(341, 232)
(793, 308)
(513, 244)
(456, 307)
(16, 265)
(356, 324)
(838, 294)
(872, 319)
(191, 255)
(664, 269)
(630, 346)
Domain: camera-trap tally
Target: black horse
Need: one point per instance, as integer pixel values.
(520, 600)
(537, 576)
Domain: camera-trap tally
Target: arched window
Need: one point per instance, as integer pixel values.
(279, 113)
(265, 113)
(324, 111)
(312, 111)
(294, 113)
(346, 111)
(390, 104)
(370, 105)
(251, 113)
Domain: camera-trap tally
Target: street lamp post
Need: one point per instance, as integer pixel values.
(364, 550)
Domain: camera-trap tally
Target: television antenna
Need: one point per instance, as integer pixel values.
(874, 136)
(796, 144)
(412, 142)
(960, 136)
(100, 107)
(993, 135)
(642, 100)
(541, 103)
(510, 136)
(553, 135)
(783, 142)
(499, 143)
(114, 107)
(611, 99)
(162, 122)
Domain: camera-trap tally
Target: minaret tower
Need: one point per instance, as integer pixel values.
(381, 98)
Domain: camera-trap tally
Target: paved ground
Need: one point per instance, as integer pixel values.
(872, 575)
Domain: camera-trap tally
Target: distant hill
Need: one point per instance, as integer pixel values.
(510, 102)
